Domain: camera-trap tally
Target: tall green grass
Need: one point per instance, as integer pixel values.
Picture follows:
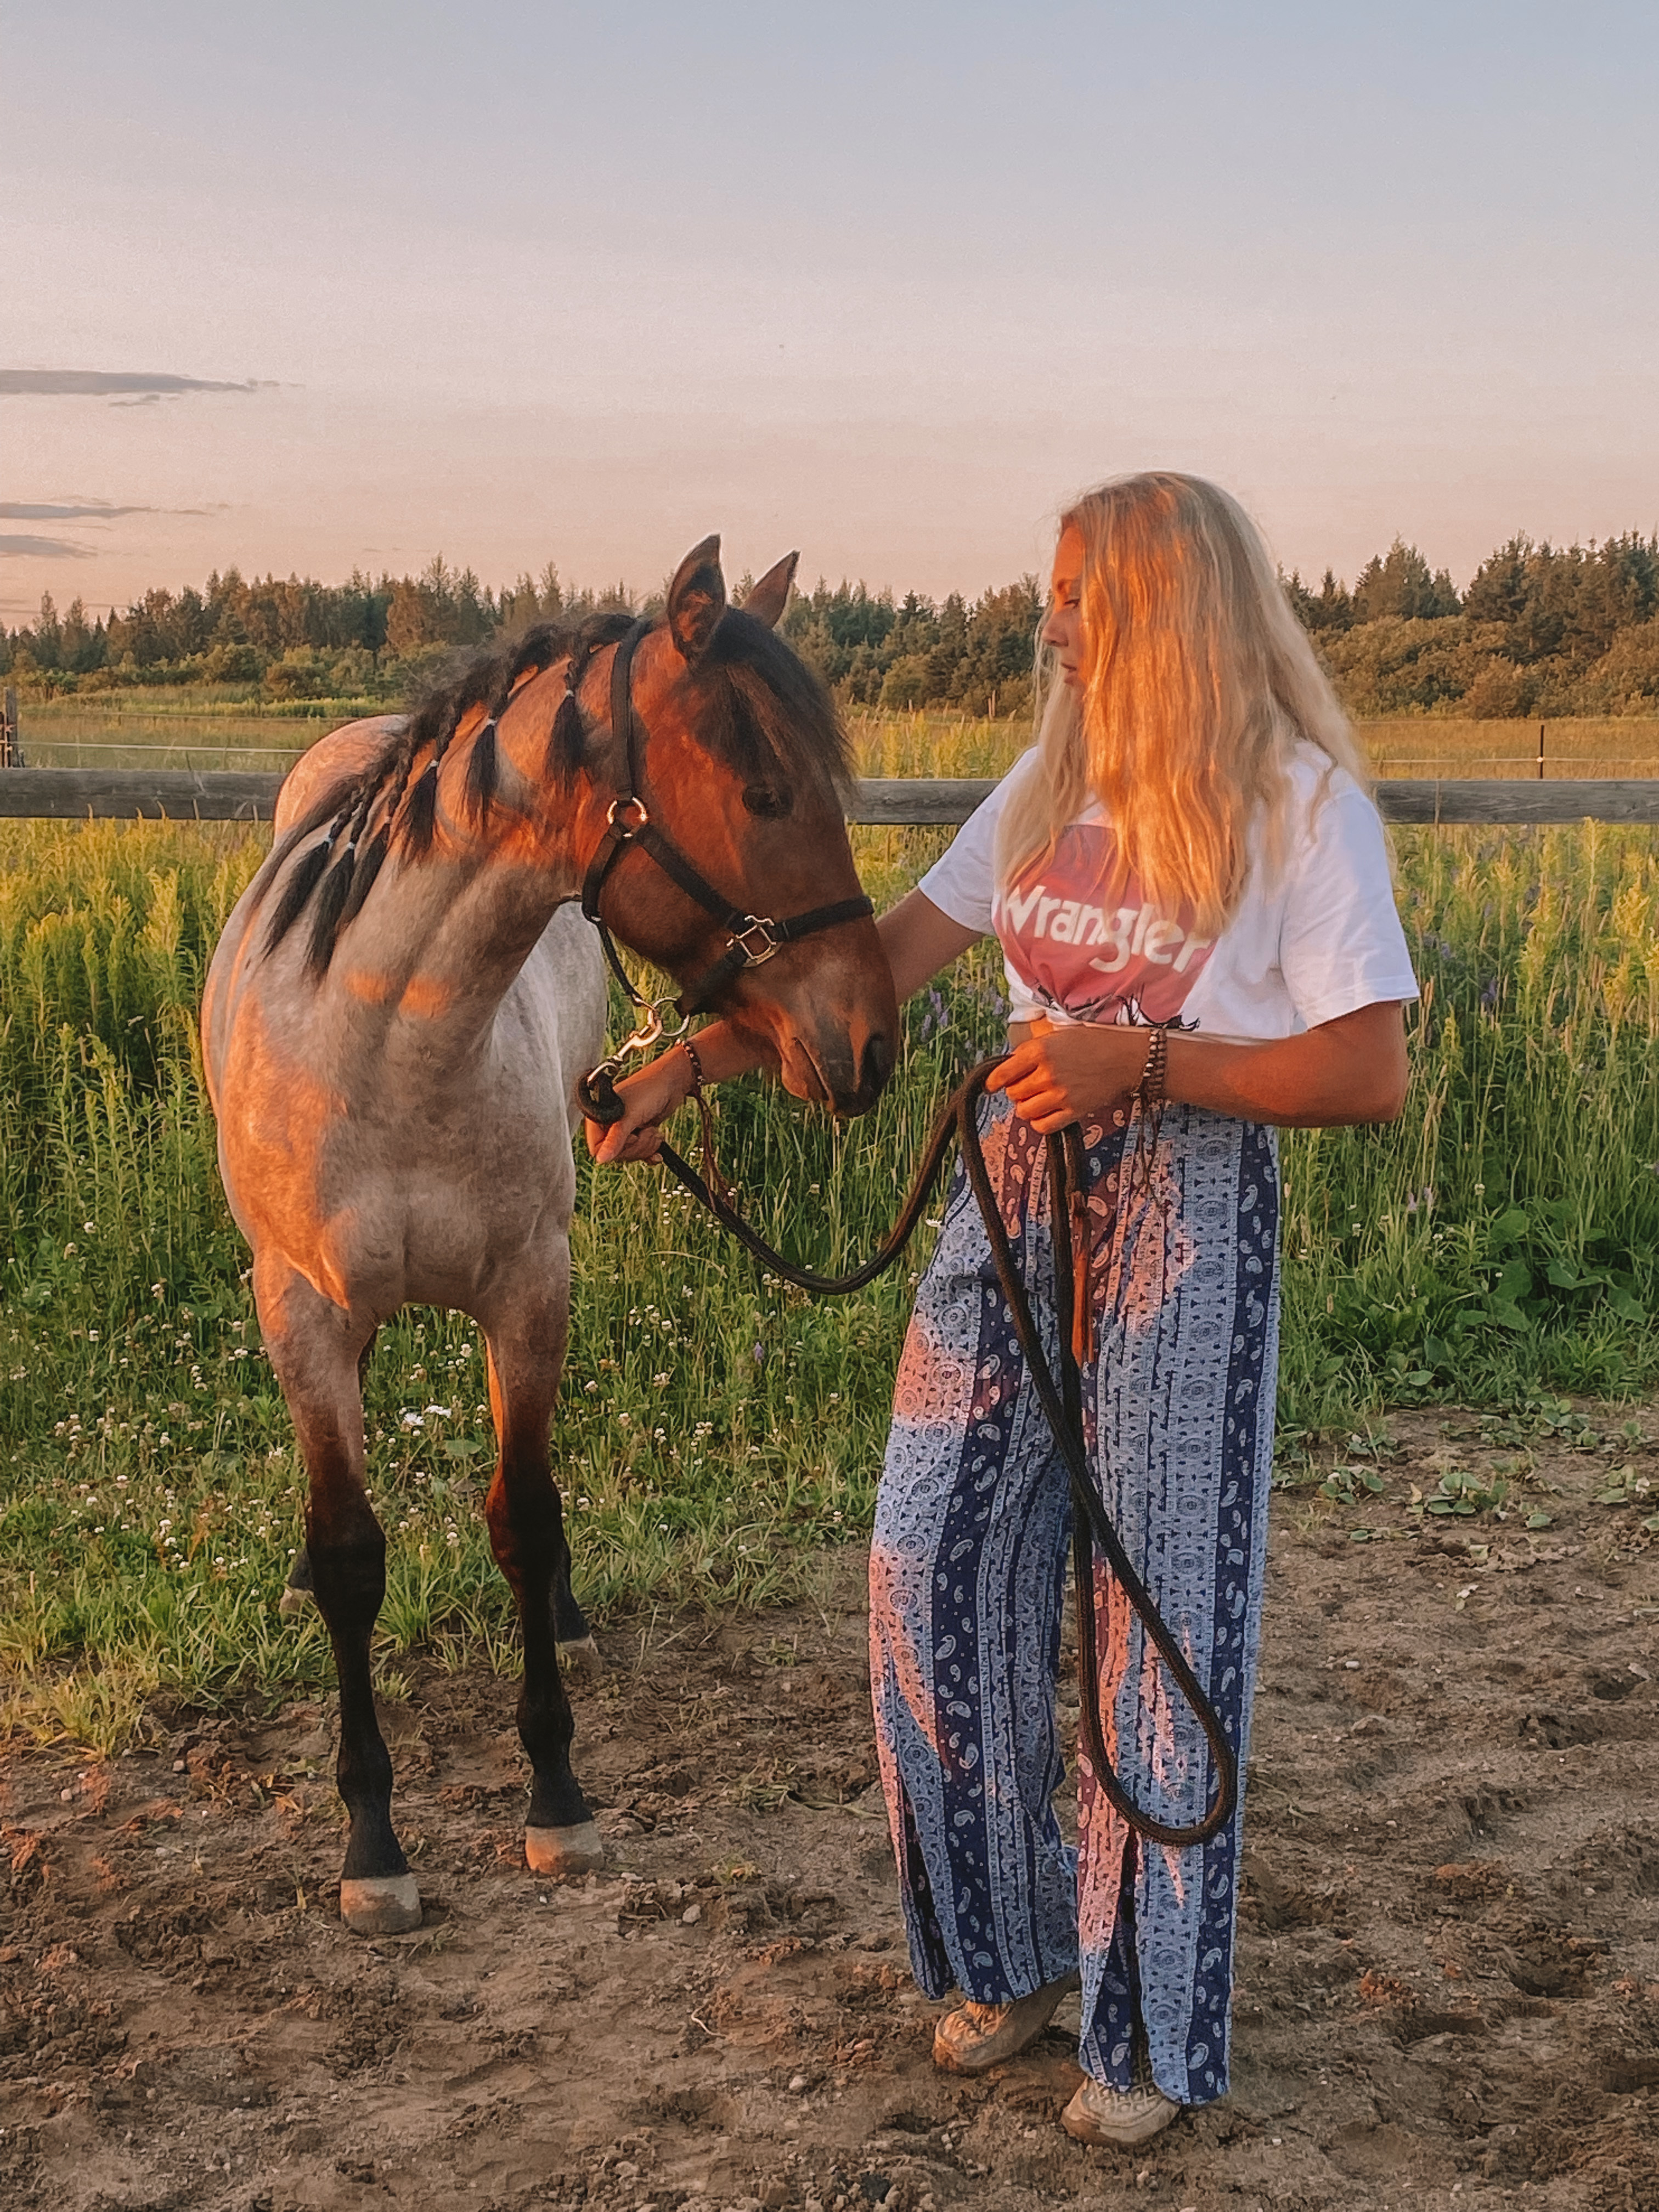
(714, 1428)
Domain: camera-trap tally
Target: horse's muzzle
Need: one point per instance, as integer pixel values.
(853, 1077)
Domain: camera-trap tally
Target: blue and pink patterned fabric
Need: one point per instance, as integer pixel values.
(968, 1569)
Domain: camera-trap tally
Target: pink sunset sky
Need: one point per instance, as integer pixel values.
(311, 289)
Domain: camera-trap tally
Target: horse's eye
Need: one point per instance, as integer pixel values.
(770, 801)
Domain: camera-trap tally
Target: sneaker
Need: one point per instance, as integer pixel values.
(977, 2036)
(1119, 2116)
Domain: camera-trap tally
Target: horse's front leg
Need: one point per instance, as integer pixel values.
(526, 1530)
(314, 1348)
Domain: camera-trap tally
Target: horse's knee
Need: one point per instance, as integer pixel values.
(348, 1573)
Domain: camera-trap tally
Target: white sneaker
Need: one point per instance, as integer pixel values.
(977, 2036)
(1120, 2117)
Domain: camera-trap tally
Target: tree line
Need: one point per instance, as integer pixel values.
(1540, 629)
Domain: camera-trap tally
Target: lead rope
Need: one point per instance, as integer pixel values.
(1061, 1401)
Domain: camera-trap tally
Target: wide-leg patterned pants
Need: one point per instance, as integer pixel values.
(968, 1567)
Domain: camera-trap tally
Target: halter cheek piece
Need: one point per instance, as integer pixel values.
(751, 939)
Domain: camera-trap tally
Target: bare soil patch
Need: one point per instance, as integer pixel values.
(1448, 1970)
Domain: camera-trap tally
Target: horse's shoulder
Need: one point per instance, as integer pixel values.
(343, 753)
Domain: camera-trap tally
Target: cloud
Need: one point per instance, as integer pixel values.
(104, 384)
(95, 510)
(42, 549)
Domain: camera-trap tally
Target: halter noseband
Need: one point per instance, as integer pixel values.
(751, 939)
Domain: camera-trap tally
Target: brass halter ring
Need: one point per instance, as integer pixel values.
(651, 1032)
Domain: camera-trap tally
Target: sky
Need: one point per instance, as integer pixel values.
(311, 287)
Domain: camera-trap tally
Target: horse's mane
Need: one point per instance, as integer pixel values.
(749, 701)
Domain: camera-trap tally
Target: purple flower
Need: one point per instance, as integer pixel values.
(760, 1355)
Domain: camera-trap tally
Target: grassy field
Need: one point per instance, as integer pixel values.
(1499, 1242)
(195, 728)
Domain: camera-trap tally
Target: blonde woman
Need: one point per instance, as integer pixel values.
(1190, 886)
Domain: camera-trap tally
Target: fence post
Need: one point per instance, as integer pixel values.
(11, 751)
(1540, 752)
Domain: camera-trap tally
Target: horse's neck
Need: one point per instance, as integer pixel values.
(442, 938)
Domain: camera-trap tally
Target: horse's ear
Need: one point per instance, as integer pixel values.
(769, 598)
(697, 599)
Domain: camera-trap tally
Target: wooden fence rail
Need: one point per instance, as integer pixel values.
(69, 794)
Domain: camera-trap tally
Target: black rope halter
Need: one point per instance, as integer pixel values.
(751, 939)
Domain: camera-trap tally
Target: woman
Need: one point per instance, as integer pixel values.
(1190, 884)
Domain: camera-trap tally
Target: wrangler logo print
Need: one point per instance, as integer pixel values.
(1085, 938)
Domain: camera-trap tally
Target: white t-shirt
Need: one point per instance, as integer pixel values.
(1319, 938)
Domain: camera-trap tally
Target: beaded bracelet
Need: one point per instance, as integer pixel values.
(1155, 1070)
(698, 1078)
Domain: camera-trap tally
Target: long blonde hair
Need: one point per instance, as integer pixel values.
(1199, 682)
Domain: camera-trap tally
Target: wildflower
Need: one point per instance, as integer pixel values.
(414, 1420)
(662, 1381)
(438, 1412)
(589, 1387)
(760, 1355)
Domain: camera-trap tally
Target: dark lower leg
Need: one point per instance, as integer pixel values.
(347, 1565)
(527, 1534)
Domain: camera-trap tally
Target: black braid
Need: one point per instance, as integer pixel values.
(390, 802)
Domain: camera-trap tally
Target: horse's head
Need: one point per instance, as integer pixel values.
(740, 766)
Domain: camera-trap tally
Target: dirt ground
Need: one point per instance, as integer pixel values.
(1448, 1960)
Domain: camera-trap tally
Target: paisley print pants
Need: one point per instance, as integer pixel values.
(967, 1567)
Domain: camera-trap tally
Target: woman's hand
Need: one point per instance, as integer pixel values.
(1058, 1076)
(649, 1095)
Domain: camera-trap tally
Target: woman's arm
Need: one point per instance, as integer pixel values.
(919, 941)
(1352, 1069)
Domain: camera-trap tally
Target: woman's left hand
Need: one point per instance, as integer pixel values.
(1058, 1076)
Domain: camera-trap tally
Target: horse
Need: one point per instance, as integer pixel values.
(393, 1023)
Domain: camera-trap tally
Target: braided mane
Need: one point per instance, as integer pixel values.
(750, 701)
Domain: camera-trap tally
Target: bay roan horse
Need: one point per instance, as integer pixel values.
(393, 1023)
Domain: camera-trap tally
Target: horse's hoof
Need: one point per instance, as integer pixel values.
(564, 1852)
(386, 1904)
(294, 1601)
(583, 1654)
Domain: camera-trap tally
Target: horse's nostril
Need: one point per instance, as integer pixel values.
(877, 1061)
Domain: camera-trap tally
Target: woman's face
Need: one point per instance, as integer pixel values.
(1063, 627)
